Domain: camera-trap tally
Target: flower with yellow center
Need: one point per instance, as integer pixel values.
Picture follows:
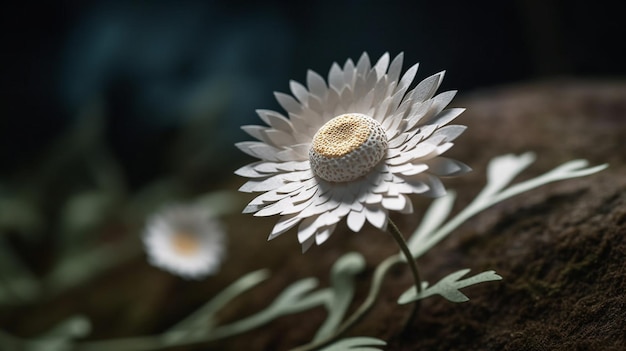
(185, 240)
(352, 148)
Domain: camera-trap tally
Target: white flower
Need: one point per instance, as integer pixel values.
(354, 148)
(185, 240)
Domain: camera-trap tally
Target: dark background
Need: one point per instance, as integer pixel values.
(152, 64)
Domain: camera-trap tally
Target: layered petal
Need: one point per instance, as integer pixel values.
(414, 121)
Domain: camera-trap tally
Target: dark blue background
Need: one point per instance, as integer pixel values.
(155, 63)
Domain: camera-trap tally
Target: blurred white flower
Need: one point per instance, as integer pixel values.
(353, 148)
(185, 240)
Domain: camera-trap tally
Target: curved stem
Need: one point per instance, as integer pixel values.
(397, 235)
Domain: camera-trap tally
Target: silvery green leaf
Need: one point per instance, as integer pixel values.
(59, 338)
(342, 291)
(78, 267)
(73, 327)
(356, 344)
(19, 215)
(449, 287)
(571, 169)
(295, 298)
(433, 218)
(17, 283)
(501, 171)
(82, 214)
(204, 318)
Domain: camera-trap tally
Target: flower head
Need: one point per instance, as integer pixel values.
(353, 148)
(185, 240)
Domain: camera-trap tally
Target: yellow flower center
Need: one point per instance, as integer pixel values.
(185, 243)
(347, 147)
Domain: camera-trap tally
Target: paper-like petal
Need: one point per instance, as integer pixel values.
(287, 102)
(355, 220)
(376, 216)
(395, 203)
(299, 91)
(316, 84)
(413, 120)
(275, 120)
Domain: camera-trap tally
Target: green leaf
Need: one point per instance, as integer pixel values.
(356, 344)
(449, 287)
(433, 218)
(204, 318)
(342, 291)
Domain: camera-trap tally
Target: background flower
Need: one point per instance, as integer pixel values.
(317, 166)
(185, 240)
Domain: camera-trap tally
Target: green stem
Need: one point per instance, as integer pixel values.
(397, 235)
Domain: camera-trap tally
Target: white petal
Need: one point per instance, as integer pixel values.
(299, 91)
(408, 208)
(249, 171)
(421, 150)
(316, 84)
(289, 187)
(275, 208)
(275, 120)
(446, 116)
(252, 208)
(394, 203)
(267, 184)
(305, 193)
(381, 65)
(307, 228)
(294, 166)
(407, 78)
(440, 101)
(381, 187)
(299, 176)
(363, 65)
(342, 210)
(296, 209)
(278, 137)
(376, 216)
(403, 167)
(436, 187)
(302, 150)
(374, 199)
(287, 102)
(443, 166)
(257, 132)
(335, 77)
(426, 88)
(395, 68)
(355, 220)
(266, 167)
(399, 188)
(348, 73)
(415, 169)
(418, 186)
(307, 244)
(258, 150)
(417, 112)
(291, 166)
(267, 197)
(284, 224)
(324, 234)
(329, 218)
